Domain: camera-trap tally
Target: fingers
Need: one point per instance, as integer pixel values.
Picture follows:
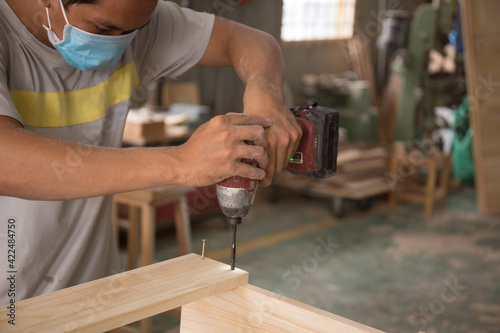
(257, 153)
(240, 129)
(248, 171)
(282, 145)
(270, 168)
(253, 133)
(246, 119)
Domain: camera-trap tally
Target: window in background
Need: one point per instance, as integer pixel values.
(317, 19)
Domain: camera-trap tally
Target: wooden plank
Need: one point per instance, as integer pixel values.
(251, 309)
(483, 84)
(124, 298)
(362, 65)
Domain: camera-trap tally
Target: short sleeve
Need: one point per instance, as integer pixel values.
(7, 107)
(174, 41)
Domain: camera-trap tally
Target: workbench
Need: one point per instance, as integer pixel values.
(213, 299)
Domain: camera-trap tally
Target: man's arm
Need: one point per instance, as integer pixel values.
(257, 58)
(40, 167)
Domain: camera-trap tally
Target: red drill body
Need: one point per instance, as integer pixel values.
(316, 157)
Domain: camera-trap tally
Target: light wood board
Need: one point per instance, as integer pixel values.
(482, 51)
(251, 309)
(124, 298)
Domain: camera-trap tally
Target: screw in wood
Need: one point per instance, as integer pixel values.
(203, 249)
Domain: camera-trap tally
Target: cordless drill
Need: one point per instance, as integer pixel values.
(316, 157)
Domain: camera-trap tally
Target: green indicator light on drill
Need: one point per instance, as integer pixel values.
(297, 158)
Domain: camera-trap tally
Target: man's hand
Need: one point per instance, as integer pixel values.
(214, 151)
(256, 56)
(283, 136)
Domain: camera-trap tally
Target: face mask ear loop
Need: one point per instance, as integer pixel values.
(64, 12)
(48, 20)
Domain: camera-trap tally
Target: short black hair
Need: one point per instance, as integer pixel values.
(68, 3)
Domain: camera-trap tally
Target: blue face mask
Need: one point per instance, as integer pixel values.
(87, 51)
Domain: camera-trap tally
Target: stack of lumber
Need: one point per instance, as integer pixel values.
(361, 173)
(360, 166)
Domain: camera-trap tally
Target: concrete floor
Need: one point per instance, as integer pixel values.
(392, 271)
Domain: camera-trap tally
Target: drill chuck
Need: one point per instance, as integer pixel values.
(235, 202)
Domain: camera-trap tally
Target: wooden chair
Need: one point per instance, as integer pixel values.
(403, 165)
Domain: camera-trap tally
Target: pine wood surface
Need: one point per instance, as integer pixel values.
(251, 309)
(124, 298)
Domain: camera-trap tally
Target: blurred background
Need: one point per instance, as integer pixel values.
(408, 228)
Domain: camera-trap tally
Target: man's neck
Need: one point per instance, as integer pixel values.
(32, 16)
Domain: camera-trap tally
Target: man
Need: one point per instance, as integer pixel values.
(67, 72)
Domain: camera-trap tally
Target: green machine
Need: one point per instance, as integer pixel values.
(420, 93)
(352, 98)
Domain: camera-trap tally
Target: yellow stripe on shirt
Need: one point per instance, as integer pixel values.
(59, 109)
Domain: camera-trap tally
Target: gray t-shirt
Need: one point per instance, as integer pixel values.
(62, 243)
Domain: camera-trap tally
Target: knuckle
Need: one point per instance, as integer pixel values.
(284, 140)
(225, 154)
(223, 137)
(295, 135)
(260, 151)
(261, 132)
(219, 120)
(272, 140)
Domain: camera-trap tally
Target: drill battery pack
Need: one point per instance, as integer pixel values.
(316, 155)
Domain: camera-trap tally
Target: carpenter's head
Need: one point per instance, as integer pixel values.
(107, 17)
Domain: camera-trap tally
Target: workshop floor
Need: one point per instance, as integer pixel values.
(395, 272)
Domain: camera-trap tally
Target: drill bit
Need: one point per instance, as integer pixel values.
(233, 248)
(234, 221)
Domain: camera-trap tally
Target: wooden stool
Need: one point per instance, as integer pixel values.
(427, 194)
(142, 211)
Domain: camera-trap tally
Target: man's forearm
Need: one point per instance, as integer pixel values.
(254, 54)
(39, 167)
(257, 59)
